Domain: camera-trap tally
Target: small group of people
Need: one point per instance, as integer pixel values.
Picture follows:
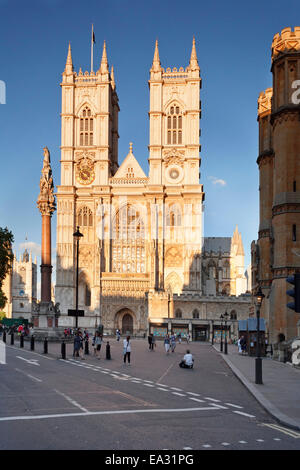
(23, 330)
(170, 342)
(79, 339)
(68, 333)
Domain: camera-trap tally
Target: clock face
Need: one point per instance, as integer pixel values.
(85, 176)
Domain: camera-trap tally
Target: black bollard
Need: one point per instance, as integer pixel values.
(21, 341)
(12, 338)
(108, 351)
(86, 347)
(4, 336)
(63, 350)
(32, 343)
(46, 346)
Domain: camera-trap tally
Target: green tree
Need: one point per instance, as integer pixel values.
(6, 258)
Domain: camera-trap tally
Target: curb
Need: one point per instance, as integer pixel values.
(266, 404)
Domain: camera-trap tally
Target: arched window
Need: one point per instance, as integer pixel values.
(195, 314)
(173, 216)
(86, 128)
(233, 315)
(85, 217)
(226, 270)
(178, 313)
(174, 125)
(87, 295)
(128, 241)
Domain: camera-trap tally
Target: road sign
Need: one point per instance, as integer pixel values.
(75, 313)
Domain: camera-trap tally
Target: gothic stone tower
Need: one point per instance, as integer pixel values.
(279, 165)
(89, 156)
(175, 111)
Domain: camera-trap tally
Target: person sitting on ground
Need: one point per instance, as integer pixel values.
(187, 361)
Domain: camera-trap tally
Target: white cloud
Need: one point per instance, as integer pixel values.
(216, 180)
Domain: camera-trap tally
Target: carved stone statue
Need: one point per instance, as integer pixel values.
(46, 199)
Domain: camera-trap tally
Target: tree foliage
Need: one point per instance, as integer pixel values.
(6, 258)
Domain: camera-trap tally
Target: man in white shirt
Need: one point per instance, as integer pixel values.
(187, 361)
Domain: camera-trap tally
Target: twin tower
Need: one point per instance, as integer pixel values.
(277, 252)
(135, 247)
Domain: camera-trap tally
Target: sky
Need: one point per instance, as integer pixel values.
(233, 42)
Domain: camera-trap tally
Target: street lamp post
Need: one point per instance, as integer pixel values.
(226, 318)
(212, 332)
(221, 346)
(258, 361)
(77, 235)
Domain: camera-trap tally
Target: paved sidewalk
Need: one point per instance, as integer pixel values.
(280, 392)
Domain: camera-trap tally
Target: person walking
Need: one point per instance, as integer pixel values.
(77, 345)
(118, 334)
(127, 349)
(167, 343)
(173, 342)
(243, 344)
(188, 337)
(150, 339)
(153, 345)
(97, 344)
(239, 345)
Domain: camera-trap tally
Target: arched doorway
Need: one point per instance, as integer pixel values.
(127, 324)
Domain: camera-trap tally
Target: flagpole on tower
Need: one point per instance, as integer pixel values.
(92, 47)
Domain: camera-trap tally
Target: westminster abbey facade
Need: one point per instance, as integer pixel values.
(143, 261)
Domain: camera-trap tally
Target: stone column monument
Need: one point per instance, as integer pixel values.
(46, 313)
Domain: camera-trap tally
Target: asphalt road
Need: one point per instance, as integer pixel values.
(152, 404)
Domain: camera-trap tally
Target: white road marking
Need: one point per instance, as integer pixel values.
(159, 388)
(194, 394)
(32, 352)
(30, 376)
(206, 445)
(244, 414)
(99, 413)
(30, 361)
(179, 394)
(234, 406)
(221, 407)
(212, 399)
(177, 389)
(70, 400)
(197, 399)
(148, 385)
(260, 440)
(242, 442)
(225, 444)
